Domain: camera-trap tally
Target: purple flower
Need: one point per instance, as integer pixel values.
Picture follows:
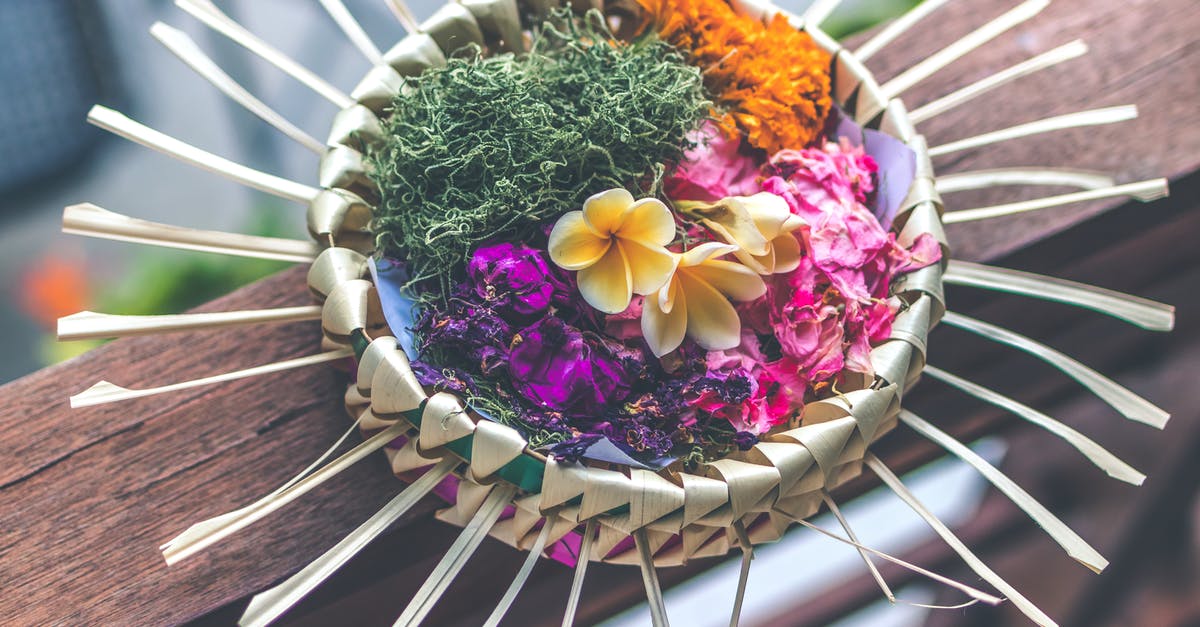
(476, 334)
(444, 379)
(542, 418)
(644, 438)
(723, 387)
(556, 366)
(744, 440)
(665, 404)
(515, 280)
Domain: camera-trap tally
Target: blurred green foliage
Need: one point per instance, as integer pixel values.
(858, 15)
(165, 281)
(162, 281)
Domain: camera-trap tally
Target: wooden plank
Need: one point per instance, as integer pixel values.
(89, 494)
(1141, 52)
(86, 496)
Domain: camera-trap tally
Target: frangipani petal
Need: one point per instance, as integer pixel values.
(770, 213)
(732, 220)
(711, 320)
(648, 221)
(782, 256)
(650, 268)
(572, 245)
(753, 224)
(787, 252)
(664, 331)
(704, 252)
(607, 284)
(762, 264)
(792, 223)
(617, 245)
(605, 212)
(666, 295)
(732, 280)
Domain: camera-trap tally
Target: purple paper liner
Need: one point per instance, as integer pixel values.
(897, 165)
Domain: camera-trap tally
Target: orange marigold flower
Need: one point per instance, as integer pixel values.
(771, 80)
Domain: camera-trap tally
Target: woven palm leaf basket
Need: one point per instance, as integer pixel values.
(638, 282)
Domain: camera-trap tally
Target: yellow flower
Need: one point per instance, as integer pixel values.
(617, 245)
(695, 301)
(760, 226)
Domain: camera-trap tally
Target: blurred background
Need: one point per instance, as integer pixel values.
(59, 57)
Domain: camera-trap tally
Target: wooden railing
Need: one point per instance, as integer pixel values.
(86, 496)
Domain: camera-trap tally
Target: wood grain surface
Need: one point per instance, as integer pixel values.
(86, 496)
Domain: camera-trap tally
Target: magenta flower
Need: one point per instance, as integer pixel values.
(558, 367)
(844, 172)
(771, 404)
(515, 280)
(771, 399)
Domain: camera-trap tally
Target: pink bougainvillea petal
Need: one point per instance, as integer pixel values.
(714, 169)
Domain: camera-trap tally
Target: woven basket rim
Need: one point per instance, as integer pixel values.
(781, 479)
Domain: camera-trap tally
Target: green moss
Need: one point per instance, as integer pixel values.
(495, 148)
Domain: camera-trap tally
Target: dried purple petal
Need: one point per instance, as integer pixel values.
(515, 281)
(556, 367)
(744, 440)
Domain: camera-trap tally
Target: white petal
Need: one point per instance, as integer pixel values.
(704, 252)
(734, 219)
(787, 253)
(607, 284)
(666, 295)
(762, 264)
(733, 280)
(771, 213)
(664, 332)
(711, 320)
(604, 212)
(792, 223)
(572, 245)
(648, 221)
(650, 267)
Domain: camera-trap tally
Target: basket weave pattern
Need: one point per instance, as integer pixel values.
(781, 479)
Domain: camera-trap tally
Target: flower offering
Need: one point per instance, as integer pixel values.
(633, 281)
(655, 241)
